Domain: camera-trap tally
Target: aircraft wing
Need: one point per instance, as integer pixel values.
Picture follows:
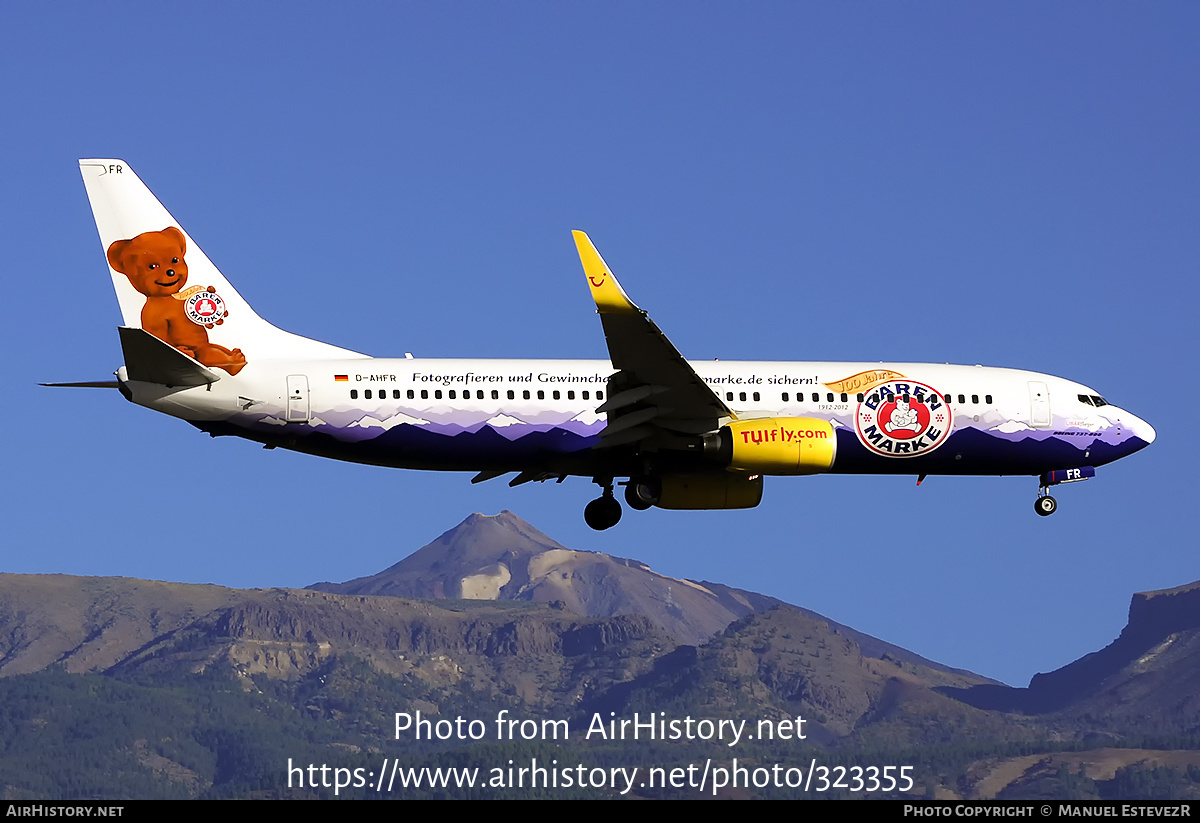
(655, 395)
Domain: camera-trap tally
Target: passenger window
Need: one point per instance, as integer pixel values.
(785, 397)
(437, 394)
(599, 395)
(816, 397)
(512, 395)
(525, 394)
(975, 399)
(742, 396)
(756, 397)
(479, 394)
(860, 397)
(947, 399)
(829, 397)
(962, 400)
(585, 395)
(541, 395)
(570, 395)
(396, 394)
(495, 394)
(411, 394)
(844, 397)
(555, 394)
(987, 398)
(354, 394)
(729, 396)
(367, 394)
(424, 394)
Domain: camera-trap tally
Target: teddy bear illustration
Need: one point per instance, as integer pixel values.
(153, 262)
(902, 418)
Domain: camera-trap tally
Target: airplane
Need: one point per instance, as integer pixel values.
(683, 434)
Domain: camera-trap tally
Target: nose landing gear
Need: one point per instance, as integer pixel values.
(1045, 505)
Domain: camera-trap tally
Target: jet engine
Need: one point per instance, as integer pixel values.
(774, 445)
(709, 490)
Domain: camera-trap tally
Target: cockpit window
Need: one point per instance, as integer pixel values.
(1085, 400)
(1098, 400)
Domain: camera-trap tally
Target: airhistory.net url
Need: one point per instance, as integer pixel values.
(702, 777)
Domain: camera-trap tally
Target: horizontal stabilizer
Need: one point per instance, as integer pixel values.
(150, 360)
(89, 384)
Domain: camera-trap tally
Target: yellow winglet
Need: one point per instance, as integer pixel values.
(610, 297)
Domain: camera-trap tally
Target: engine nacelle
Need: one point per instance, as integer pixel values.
(775, 445)
(711, 490)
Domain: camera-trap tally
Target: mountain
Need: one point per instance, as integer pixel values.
(501, 557)
(117, 687)
(1145, 681)
(785, 662)
(124, 627)
(504, 558)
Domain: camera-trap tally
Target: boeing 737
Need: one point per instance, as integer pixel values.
(678, 434)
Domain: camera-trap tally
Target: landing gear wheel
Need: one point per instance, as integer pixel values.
(1045, 505)
(603, 512)
(641, 494)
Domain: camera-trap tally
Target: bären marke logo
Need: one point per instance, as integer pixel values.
(903, 418)
(206, 308)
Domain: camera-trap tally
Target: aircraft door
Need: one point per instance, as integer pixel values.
(297, 399)
(1039, 404)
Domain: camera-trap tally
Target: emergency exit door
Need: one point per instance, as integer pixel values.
(297, 399)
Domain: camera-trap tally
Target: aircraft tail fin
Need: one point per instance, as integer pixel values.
(168, 287)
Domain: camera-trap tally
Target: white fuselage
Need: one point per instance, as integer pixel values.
(541, 414)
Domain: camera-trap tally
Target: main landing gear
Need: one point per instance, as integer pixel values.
(1045, 505)
(604, 512)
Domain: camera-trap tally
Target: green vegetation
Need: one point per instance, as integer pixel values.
(219, 736)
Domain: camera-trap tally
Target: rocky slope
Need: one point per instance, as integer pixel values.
(502, 557)
(1144, 682)
(119, 625)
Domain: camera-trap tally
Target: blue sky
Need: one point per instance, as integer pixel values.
(1006, 184)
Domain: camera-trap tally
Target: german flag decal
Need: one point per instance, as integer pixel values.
(341, 378)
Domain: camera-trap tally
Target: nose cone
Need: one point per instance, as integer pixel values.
(1141, 433)
(1142, 429)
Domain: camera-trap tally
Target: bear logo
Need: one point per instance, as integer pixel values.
(903, 418)
(153, 262)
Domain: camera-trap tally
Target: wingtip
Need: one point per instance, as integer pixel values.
(582, 241)
(607, 292)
